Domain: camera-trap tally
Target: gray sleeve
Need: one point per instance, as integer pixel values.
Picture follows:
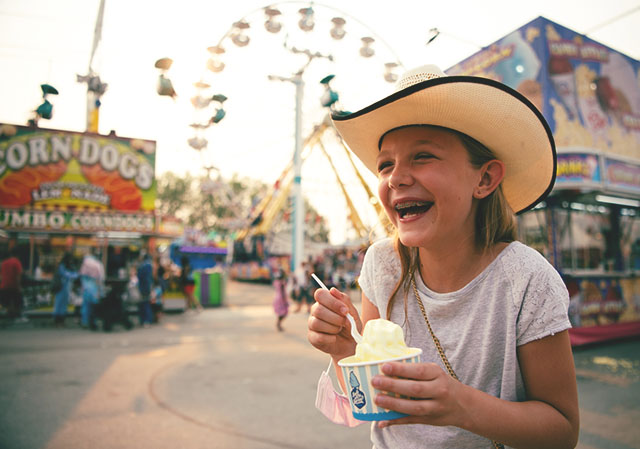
(545, 306)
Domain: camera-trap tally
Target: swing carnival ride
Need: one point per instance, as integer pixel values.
(262, 243)
(299, 28)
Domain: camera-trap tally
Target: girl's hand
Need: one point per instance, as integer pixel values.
(328, 328)
(436, 396)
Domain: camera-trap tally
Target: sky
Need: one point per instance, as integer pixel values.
(45, 41)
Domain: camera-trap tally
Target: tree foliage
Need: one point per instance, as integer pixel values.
(225, 206)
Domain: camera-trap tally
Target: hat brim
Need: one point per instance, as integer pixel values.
(495, 115)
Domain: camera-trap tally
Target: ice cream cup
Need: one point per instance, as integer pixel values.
(357, 377)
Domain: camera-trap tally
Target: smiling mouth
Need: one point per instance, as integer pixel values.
(412, 208)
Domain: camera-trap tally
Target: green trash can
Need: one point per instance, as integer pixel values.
(210, 288)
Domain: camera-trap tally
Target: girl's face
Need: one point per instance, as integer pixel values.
(427, 185)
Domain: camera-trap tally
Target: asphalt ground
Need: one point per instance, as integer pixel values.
(225, 378)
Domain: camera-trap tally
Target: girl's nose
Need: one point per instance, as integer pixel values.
(400, 177)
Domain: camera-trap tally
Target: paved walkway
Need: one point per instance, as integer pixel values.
(224, 378)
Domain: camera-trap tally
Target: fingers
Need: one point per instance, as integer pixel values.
(427, 392)
(340, 303)
(417, 371)
(327, 318)
(418, 411)
(328, 330)
(324, 320)
(324, 341)
(414, 380)
(405, 420)
(330, 306)
(333, 299)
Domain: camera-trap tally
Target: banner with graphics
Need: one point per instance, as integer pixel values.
(63, 170)
(579, 170)
(589, 93)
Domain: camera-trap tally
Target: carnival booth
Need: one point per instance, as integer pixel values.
(208, 260)
(79, 192)
(589, 227)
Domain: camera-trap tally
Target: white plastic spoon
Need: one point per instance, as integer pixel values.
(354, 330)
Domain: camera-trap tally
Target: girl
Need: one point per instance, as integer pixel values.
(188, 285)
(280, 302)
(455, 158)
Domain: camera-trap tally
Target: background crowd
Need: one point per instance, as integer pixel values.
(335, 267)
(81, 291)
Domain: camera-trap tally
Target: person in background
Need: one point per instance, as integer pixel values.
(302, 274)
(156, 302)
(11, 285)
(145, 285)
(133, 292)
(61, 288)
(280, 303)
(159, 287)
(92, 276)
(161, 275)
(188, 285)
(339, 279)
(294, 291)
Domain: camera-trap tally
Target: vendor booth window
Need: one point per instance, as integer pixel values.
(590, 231)
(630, 238)
(564, 247)
(533, 232)
(591, 237)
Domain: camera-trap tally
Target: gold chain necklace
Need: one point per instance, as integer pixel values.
(443, 357)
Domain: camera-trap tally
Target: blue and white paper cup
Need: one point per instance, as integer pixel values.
(357, 377)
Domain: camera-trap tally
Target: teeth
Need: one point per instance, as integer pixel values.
(410, 204)
(410, 209)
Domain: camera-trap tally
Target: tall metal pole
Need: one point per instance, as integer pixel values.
(297, 250)
(298, 202)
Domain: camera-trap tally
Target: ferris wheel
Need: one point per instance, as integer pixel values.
(332, 48)
(339, 61)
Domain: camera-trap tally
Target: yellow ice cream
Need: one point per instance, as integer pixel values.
(382, 339)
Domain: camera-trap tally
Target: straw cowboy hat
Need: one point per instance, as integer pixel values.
(493, 114)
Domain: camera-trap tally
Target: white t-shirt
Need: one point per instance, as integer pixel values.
(518, 298)
(302, 277)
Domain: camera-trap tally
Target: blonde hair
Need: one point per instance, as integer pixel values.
(495, 221)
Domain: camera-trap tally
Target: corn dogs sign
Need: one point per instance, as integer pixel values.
(61, 168)
(51, 179)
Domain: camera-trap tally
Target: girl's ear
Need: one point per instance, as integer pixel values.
(491, 175)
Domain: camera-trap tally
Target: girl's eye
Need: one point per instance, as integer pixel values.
(424, 156)
(383, 165)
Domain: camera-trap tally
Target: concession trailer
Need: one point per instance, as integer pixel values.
(589, 226)
(78, 192)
